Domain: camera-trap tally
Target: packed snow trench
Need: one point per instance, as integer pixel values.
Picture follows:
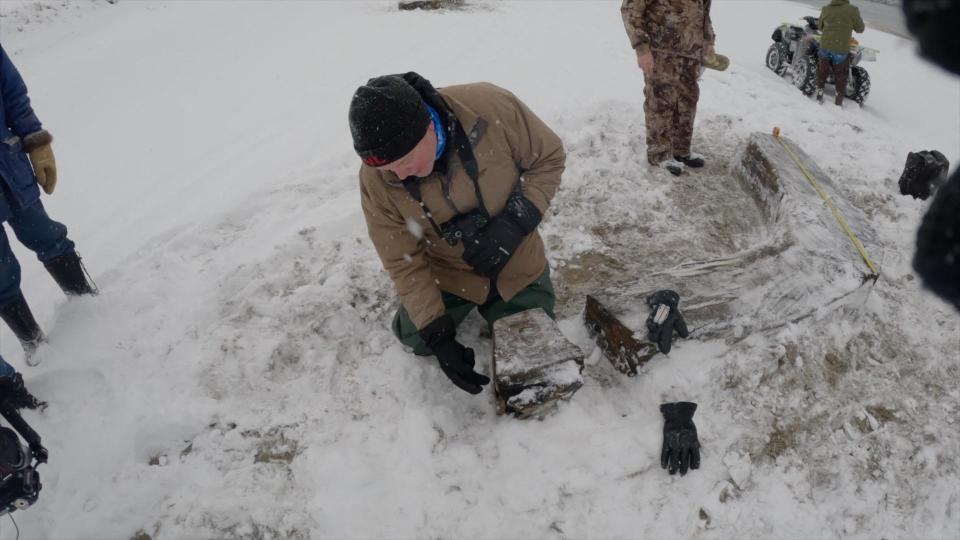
(236, 377)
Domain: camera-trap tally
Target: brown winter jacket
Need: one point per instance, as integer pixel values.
(509, 141)
(680, 27)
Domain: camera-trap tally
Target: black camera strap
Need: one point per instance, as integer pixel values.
(469, 161)
(465, 153)
(413, 188)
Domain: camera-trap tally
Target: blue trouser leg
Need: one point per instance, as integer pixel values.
(9, 271)
(40, 234)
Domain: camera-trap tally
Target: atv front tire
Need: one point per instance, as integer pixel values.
(860, 82)
(777, 58)
(805, 75)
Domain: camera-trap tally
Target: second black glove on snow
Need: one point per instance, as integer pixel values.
(681, 448)
(664, 319)
(455, 360)
(490, 250)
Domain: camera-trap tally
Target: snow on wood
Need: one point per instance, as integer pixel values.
(533, 363)
(429, 4)
(627, 347)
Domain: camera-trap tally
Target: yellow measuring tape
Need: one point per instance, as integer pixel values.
(833, 208)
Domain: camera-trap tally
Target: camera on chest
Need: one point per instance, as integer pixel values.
(463, 227)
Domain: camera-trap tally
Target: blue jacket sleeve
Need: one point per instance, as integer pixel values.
(19, 116)
(6, 370)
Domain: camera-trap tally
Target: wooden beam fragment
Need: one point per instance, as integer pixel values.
(534, 365)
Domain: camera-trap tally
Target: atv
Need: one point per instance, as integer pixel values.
(796, 49)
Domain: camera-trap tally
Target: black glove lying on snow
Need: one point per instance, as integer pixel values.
(664, 319)
(681, 448)
(923, 173)
(456, 361)
(489, 250)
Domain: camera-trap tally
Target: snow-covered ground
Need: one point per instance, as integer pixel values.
(236, 376)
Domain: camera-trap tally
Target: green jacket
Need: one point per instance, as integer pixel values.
(838, 20)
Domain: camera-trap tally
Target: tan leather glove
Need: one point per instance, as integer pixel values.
(38, 148)
(45, 167)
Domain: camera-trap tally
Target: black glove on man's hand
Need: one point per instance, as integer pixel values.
(490, 250)
(681, 448)
(14, 395)
(664, 319)
(456, 361)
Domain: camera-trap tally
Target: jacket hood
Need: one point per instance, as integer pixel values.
(448, 117)
(426, 90)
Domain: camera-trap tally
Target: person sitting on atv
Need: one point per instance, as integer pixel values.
(838, 20)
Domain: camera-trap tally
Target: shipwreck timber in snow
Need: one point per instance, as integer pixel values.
(809, 257)
(534, 365)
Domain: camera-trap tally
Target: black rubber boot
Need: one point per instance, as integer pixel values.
(20, 319)
(69, 274)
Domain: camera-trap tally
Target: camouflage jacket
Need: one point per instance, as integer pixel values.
(838, 21)
(680, 27)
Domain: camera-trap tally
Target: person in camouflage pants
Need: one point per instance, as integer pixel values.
(671, 38)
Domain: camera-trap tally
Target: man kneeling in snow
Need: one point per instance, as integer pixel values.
(453, 185)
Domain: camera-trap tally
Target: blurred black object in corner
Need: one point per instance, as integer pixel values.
(935, 23)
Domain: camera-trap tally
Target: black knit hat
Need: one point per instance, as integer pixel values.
(387, 120)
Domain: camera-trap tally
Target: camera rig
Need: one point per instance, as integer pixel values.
(19, 479)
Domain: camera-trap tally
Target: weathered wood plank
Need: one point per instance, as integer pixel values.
(534, 365)
(617, 342)
(802, 262)
(409, 5)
